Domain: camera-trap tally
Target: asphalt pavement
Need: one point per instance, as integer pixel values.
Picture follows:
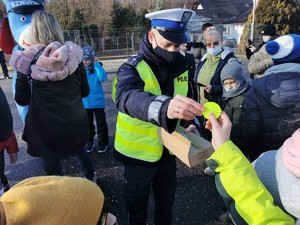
(197, 201)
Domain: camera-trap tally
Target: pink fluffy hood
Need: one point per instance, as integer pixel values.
(55, 63)
(291, 153)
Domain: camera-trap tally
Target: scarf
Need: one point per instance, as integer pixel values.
(235, 92)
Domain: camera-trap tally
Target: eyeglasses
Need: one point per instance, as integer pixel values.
(211, 45)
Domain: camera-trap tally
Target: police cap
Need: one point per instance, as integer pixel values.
(172, 24)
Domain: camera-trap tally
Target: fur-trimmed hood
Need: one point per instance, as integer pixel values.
(55, 63)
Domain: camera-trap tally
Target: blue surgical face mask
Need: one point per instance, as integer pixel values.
(214, 51)
(230, 89)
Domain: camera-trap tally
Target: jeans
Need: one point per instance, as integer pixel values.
(53, 166)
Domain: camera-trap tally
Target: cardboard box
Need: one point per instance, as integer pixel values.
(190, 148)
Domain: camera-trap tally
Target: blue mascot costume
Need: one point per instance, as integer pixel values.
(15, 29)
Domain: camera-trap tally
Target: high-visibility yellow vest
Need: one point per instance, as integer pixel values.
(139, 139)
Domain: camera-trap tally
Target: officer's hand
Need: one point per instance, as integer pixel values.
(182, 107)
(220, 129)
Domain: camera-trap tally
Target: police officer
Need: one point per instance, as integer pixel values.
(153, 89)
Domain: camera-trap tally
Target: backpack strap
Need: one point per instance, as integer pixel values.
(35, 59)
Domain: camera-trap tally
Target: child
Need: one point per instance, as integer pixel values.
(94, 103)
(56, 123)
(273, 99)
(235, 87)
(8, 140)
(247, 199)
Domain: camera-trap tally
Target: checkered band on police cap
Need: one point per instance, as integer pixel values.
(172, 23)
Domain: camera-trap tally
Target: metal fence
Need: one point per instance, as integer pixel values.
(125, 41)
(122, 42)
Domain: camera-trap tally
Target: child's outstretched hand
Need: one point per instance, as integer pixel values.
(13, 157)
(220, 129)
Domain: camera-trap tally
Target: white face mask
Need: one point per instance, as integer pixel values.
(230, 89)
(266, 38)
(214, 51)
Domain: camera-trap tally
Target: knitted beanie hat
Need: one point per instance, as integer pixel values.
(88, 53)
(291, 153)
(233, 70)
(52, 200)
(269, 29)
(284, 49)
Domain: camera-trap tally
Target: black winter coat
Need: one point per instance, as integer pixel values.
(56, 124)
(271, 109)
(6, 120)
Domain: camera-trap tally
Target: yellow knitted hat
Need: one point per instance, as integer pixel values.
(53, 200)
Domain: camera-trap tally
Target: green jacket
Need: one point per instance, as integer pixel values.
(246, 198)
(233, 108)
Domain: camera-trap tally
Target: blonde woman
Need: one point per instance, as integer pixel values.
(52, 80)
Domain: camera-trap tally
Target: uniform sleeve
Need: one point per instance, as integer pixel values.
(102, 75)
(246, 198)
(134, 101)
(23, 89)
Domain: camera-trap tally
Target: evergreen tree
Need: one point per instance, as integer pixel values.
(141, 21)
(284, 14)
(122, 17)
